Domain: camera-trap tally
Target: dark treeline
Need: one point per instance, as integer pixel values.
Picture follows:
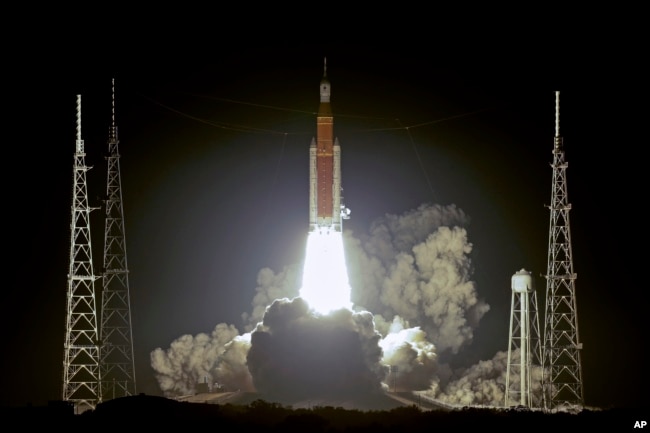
(261, 416)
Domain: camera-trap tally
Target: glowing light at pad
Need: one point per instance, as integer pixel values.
(325, 284)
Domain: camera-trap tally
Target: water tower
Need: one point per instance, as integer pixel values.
(524, 348)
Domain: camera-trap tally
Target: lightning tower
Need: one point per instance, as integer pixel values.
(524, 347)
(117, 362)
(562, 382)
(81, 373)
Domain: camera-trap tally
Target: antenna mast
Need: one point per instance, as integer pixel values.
(117, 362)
(562, 383)
(81, 375)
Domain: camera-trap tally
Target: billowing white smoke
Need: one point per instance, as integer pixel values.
(482, 384)
(271, 286)
(417, 266)
(485, 383)
(192, 360)
(412, 359)
(414, 301)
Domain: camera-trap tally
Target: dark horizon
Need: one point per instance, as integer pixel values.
(273, 416)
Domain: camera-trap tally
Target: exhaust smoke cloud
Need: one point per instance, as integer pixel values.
(412, 303)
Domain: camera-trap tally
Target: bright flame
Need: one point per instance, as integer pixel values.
(325, 284)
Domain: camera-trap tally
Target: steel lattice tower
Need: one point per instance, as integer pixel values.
(117, 362)
(561, 353)
(81, 373)
(524, 344)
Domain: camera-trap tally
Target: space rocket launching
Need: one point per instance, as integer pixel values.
(326, 210)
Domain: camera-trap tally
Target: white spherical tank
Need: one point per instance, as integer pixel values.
(522, 282)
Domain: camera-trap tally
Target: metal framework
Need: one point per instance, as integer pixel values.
(117, 362)
(81, 373)
(561, 352)
(524, 344)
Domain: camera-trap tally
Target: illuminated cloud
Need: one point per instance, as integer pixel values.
(413, 299)
(417, 266)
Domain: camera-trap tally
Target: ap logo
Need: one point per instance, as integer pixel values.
(640, 424)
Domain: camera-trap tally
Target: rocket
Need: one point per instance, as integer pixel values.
(326, 209)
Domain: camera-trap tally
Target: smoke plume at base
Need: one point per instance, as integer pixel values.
(296, 353)
(414, 300)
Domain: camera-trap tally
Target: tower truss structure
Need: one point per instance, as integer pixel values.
(81, 373)
(117, 361)
(561, 349)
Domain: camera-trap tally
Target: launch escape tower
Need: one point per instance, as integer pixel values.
(116, 362)
(524, 344)
(81, 373)
(562, 382)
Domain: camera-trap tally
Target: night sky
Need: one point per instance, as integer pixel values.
(214, 165)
